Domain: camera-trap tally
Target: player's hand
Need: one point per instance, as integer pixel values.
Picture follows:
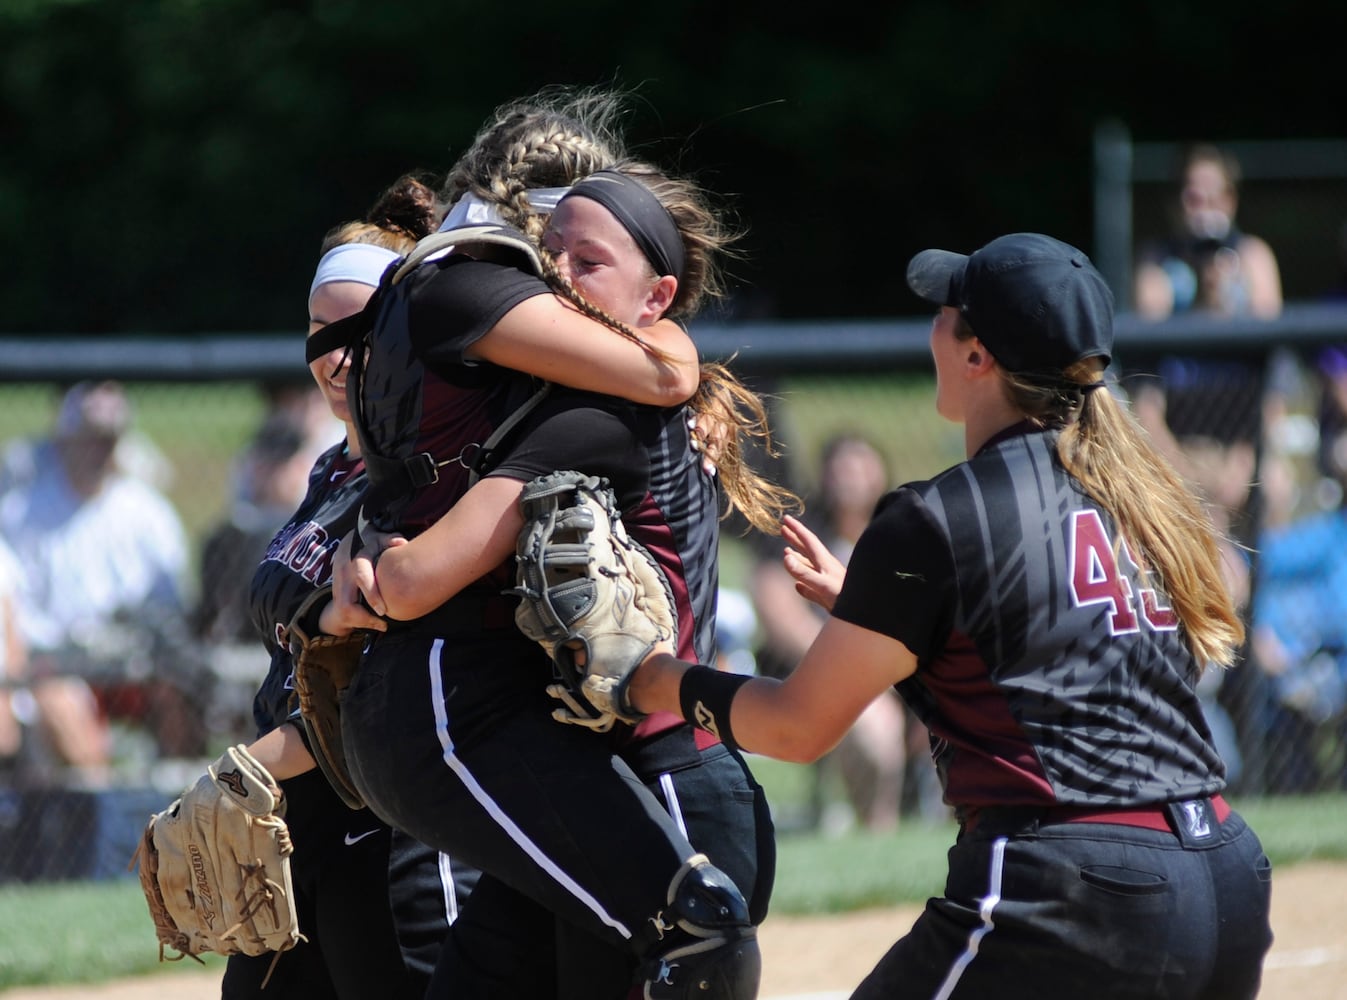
(345, 612)
(818, 573)
(364, 566)
(709, 433)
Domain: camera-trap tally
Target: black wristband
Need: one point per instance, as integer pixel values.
(704, 697)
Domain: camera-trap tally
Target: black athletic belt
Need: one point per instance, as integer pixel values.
(672, 750)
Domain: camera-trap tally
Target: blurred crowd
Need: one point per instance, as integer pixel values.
(121, 646)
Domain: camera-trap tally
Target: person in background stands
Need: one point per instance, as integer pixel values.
(105, 559)
(1209, 263)
(872, 757)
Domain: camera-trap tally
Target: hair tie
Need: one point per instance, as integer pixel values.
(1091, 386)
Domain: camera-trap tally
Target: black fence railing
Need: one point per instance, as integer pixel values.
(759, 348)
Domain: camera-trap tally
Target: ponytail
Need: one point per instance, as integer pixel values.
(1173, 537)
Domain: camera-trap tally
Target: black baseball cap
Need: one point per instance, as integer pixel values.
(1038, 304)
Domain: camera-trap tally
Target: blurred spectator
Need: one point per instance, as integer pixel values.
(104, 556)
(302, 405)
(873, 757)
(1331, 417)
(272, 478)
(1208, 263)
(1300, 642)
(44, 722)
(13, 660)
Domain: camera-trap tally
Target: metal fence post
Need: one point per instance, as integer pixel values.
(1113, 208)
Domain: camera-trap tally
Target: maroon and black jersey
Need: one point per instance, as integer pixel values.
(1050, 669)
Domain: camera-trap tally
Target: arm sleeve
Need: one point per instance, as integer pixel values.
(900, 579)
(458, 303)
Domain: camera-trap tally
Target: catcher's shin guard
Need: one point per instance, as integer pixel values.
(708, 946)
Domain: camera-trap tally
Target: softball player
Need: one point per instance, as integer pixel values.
(448, 725)
(669, 504)
(373, 904)
(1046, 607)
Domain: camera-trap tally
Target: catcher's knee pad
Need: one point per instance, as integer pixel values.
(708, 946)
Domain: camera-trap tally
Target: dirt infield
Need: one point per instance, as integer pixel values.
(820, 958)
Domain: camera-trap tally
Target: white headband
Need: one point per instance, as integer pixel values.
(362, 262)
(471, 210)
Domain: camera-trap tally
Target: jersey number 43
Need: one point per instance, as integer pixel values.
(1099, 576)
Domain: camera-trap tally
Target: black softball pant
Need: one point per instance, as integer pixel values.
(373, 904)
(452, 741)
(508, 945)
(1093, 910)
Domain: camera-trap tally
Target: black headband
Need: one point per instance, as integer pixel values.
(641, 214)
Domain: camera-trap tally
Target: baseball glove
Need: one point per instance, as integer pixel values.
(585, 586)
(215, 865)
(323, 667)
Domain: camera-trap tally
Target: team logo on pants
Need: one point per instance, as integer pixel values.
(1196, 820)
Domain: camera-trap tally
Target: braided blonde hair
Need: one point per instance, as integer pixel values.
(551, 139)
(561, 135)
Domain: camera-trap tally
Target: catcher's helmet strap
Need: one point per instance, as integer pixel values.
(342, 333)
(486, 456)
(349, 331)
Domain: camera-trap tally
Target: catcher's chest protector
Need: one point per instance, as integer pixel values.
(387, 378)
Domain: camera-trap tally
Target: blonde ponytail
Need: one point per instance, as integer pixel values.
(1171, 535)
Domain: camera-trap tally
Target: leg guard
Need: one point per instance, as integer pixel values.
(708, 948)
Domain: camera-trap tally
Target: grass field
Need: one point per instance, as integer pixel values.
(86, 932)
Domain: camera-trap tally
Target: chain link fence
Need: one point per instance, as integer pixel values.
(129, 663)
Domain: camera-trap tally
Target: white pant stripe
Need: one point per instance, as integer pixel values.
(448, 888)
(671, 797)
(505, 822)
(986, 909)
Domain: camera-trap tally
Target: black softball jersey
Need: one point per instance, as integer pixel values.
(297, 562)
(668, 503)
(1050, 669)
(448, 727)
